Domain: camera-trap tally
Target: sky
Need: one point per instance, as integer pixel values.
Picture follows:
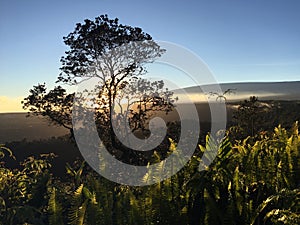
(240, 41)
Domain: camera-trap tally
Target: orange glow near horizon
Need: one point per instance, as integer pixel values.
(11, 104)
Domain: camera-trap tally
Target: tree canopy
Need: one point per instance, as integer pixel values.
(94, 51)
(114, 54)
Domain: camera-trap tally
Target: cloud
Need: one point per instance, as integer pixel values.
(11, 104)
(241, 95)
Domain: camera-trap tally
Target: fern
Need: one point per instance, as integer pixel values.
(285, 204)
(55, 209)
(77, 211)
(83, 201)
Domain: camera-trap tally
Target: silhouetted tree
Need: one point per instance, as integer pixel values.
(251, 116)
(143, 98)
(55, 105)
(115, 54)
(222, 95)
(96, 51)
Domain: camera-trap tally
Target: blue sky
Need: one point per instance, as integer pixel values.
(239, 40)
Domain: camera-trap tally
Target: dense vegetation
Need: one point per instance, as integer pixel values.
(252, 181)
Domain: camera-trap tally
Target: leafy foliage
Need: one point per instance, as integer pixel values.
(249, 182)
(56, 105)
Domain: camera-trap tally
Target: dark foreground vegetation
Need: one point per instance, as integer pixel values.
(252, 181)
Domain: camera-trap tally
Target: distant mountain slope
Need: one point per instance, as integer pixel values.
(264, 90)
(16, 126)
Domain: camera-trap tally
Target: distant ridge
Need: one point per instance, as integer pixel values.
(16, 127)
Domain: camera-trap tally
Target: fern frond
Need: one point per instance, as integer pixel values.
(55, 209)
